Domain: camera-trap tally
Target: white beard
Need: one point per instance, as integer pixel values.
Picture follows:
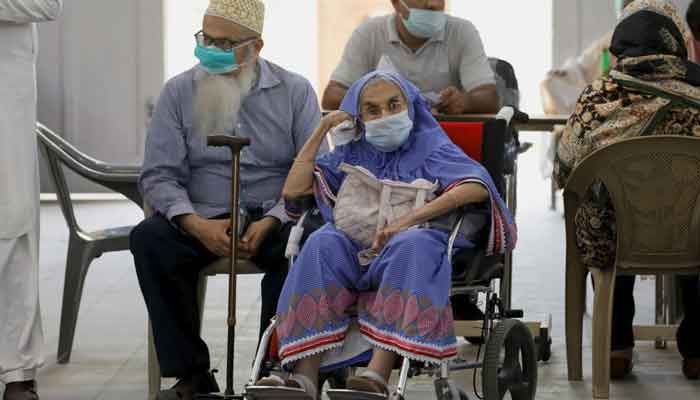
(218, 99)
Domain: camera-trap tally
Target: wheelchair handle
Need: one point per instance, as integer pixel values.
(511, 114)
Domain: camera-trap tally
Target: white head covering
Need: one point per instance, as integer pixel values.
(247, 13)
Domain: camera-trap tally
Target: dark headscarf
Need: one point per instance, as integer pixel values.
(650, 44)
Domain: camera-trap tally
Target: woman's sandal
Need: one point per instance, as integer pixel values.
(274, 387)
(368, 382)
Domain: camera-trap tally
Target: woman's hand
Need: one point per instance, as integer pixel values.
(332, 120)
(384, 235)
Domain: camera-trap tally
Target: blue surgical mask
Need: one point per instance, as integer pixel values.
(389, 133)
(424, 23)
(216, 61)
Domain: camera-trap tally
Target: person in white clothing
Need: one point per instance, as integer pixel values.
(20, 319)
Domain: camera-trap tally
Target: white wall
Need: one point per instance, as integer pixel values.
(182, 20)
(518, 32)
(291, 35)
(98, 67)
(577, 23)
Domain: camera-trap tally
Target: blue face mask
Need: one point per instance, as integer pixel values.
(389, 133)
(424, 24)
(216, 61)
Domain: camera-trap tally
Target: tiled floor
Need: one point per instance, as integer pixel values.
(109, 357)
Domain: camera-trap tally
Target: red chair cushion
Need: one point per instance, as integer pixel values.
(469, 136)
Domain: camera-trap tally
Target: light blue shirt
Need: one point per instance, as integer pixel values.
(181, 175)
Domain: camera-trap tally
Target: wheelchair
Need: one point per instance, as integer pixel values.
(507, 354)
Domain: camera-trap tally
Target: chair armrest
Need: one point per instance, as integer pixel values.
(81, 163)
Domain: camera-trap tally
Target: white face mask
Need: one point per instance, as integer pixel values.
(389, 133)
(424, 23)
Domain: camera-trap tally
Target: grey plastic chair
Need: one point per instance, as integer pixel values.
(83, 246)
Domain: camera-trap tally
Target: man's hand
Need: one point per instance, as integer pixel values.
(559, 73)
(454, 101)
(212, 233)
(256, 233)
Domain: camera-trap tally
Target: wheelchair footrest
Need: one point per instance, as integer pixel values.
(344, 394)
(275, 393)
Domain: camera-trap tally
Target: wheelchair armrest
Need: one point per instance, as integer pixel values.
(308, 223)
(471, 266)
(297, 206)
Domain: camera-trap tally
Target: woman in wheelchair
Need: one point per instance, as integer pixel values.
(400, 280)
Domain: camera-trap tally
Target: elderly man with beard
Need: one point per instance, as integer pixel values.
(231, 91)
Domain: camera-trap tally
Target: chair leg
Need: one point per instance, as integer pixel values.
(574, 309)
(201, 296)
(660, 308)
(80, 255)
(154, 379)
(602, 329)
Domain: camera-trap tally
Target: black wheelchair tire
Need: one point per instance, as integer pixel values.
(519, 378)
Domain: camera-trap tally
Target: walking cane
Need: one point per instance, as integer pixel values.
(235, 144)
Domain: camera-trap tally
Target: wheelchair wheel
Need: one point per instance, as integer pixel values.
(510, 363)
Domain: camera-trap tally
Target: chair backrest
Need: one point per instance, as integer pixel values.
(59, 179)
(654, 185)
(59, 152)
(484, 142)
(506, 82)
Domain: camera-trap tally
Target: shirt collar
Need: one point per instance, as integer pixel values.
(266, 78)
(394, 33)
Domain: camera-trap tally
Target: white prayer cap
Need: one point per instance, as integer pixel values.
(247, 13)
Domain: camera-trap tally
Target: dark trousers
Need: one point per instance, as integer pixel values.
(168, 263)
(623, 316)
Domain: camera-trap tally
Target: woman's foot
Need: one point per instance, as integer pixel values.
(621, 363)
(368, 382)
(691, 368)
(276, 381)
(294, 382)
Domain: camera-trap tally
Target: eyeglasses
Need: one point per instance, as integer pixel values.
(395, 105)
(205, 40)
(421, 4)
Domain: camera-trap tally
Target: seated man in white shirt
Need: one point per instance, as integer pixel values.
(441, 54)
